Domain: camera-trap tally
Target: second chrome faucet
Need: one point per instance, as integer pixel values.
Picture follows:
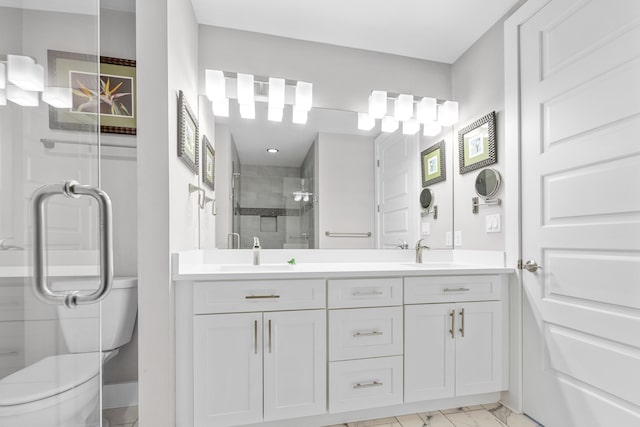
(256, 251)
(419, 248)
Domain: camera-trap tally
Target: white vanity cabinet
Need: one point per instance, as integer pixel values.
(259, 366)
(455, 345)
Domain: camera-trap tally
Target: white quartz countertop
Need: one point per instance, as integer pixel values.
(190, 268)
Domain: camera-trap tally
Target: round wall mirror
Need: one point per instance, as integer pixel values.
(426, 198)
(488, 183)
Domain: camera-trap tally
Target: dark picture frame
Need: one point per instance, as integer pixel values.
(208, 163)
(477, 144)
(188, 135)
(111, 91)
(433, 165)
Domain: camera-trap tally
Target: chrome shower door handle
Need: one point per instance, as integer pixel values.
(75, 190)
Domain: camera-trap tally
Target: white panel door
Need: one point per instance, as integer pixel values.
(479, 344)
(295, 364)
(398, 189)
(227, 369)
(580, 112)
(430, 345)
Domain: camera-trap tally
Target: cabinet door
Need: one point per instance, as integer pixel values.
(429, 352)
(479, 349)
(227, 369)
(295, 364)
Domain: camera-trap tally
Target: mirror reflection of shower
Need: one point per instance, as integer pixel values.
(275, 204)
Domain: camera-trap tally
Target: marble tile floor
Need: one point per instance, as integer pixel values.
(121, 417)
(493, 415)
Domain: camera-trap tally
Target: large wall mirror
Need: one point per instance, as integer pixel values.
(324, 184)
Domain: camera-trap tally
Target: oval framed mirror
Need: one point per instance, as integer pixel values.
(488, 183)
(426, 198)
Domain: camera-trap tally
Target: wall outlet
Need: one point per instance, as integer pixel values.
(493, 223)
(425, 228)
(448, 238)
(458, 238)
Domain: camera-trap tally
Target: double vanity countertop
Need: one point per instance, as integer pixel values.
(236, 265)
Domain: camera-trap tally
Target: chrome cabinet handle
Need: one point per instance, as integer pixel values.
(462, 322)
(367, 385)
(452, 314)
(269, 335)
(366, 294)
(456, 290)
(367, 334)
(74, 190)
(255, 337)
(532, 266)
(262, 296)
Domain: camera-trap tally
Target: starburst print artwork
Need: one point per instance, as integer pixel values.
(114, 94)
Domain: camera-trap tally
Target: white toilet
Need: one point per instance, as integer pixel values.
(63, 390)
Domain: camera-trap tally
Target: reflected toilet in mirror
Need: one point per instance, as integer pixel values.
(487, 185)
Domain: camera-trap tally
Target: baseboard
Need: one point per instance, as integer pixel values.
(120, 395)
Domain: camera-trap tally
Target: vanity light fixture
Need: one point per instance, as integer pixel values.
(23, 72)
(431, 128)
(57, 97)
(304, 96)
(365, 121)
(427, 110)
(24, 98)
(389, 124)
(216, 90)
(272, 150)
(3, 75)
(403, 107)
(299, 116)
(248, 111)
(220, 107)
(448, 113)
(410, 127)
(377, 104)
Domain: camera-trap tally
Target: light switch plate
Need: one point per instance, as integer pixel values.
(493, 223)
(448, 238)
(425, 228)
(458, 238)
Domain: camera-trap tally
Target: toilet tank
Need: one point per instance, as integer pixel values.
(80, 325)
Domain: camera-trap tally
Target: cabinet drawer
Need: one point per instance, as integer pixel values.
(368, 383)
(258, 295)
(365, 332)
(347, 293)
(418, 290)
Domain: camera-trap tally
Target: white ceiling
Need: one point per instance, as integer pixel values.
(253, 137)
(437, 30)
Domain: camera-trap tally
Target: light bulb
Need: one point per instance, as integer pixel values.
(427, 110)
(23, 72)
(299, 116)
(275, 114)
(215, 85)
(276, 94)
(245, 89)
(378, 104)
(410, 127)
(220, 107)
(365, 121)
(248, 111)
(22, 97)
(57, 97)
(304, 96)
(389, 124)
(403, 108)
(448, 113)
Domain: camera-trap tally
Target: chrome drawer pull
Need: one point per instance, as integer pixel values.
(366, 294)
(456, 290)
(262, 296)
(367, 385)
(367, 334)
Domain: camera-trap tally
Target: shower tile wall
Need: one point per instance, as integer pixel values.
(266, 191)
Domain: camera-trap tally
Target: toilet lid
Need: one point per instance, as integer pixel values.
(48, 377)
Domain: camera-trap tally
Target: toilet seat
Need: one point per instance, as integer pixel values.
(50, 376)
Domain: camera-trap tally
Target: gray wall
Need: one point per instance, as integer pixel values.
(342, 77)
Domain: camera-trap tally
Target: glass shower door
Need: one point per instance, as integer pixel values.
(51, 214)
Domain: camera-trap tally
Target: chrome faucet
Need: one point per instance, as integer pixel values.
(256, 251)
(403, 245)
(233, 241)
(419, 248)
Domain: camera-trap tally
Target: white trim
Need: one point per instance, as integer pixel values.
(120, 395)
(512, 208)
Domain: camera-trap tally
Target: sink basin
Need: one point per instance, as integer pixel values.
(428, 265)
(256, 268)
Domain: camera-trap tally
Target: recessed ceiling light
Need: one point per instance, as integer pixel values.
(272, 150)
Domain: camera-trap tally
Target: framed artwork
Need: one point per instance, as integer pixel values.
(208, 163)
(477, 144)
(109, 92)
(433, 165)
(188, 135)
